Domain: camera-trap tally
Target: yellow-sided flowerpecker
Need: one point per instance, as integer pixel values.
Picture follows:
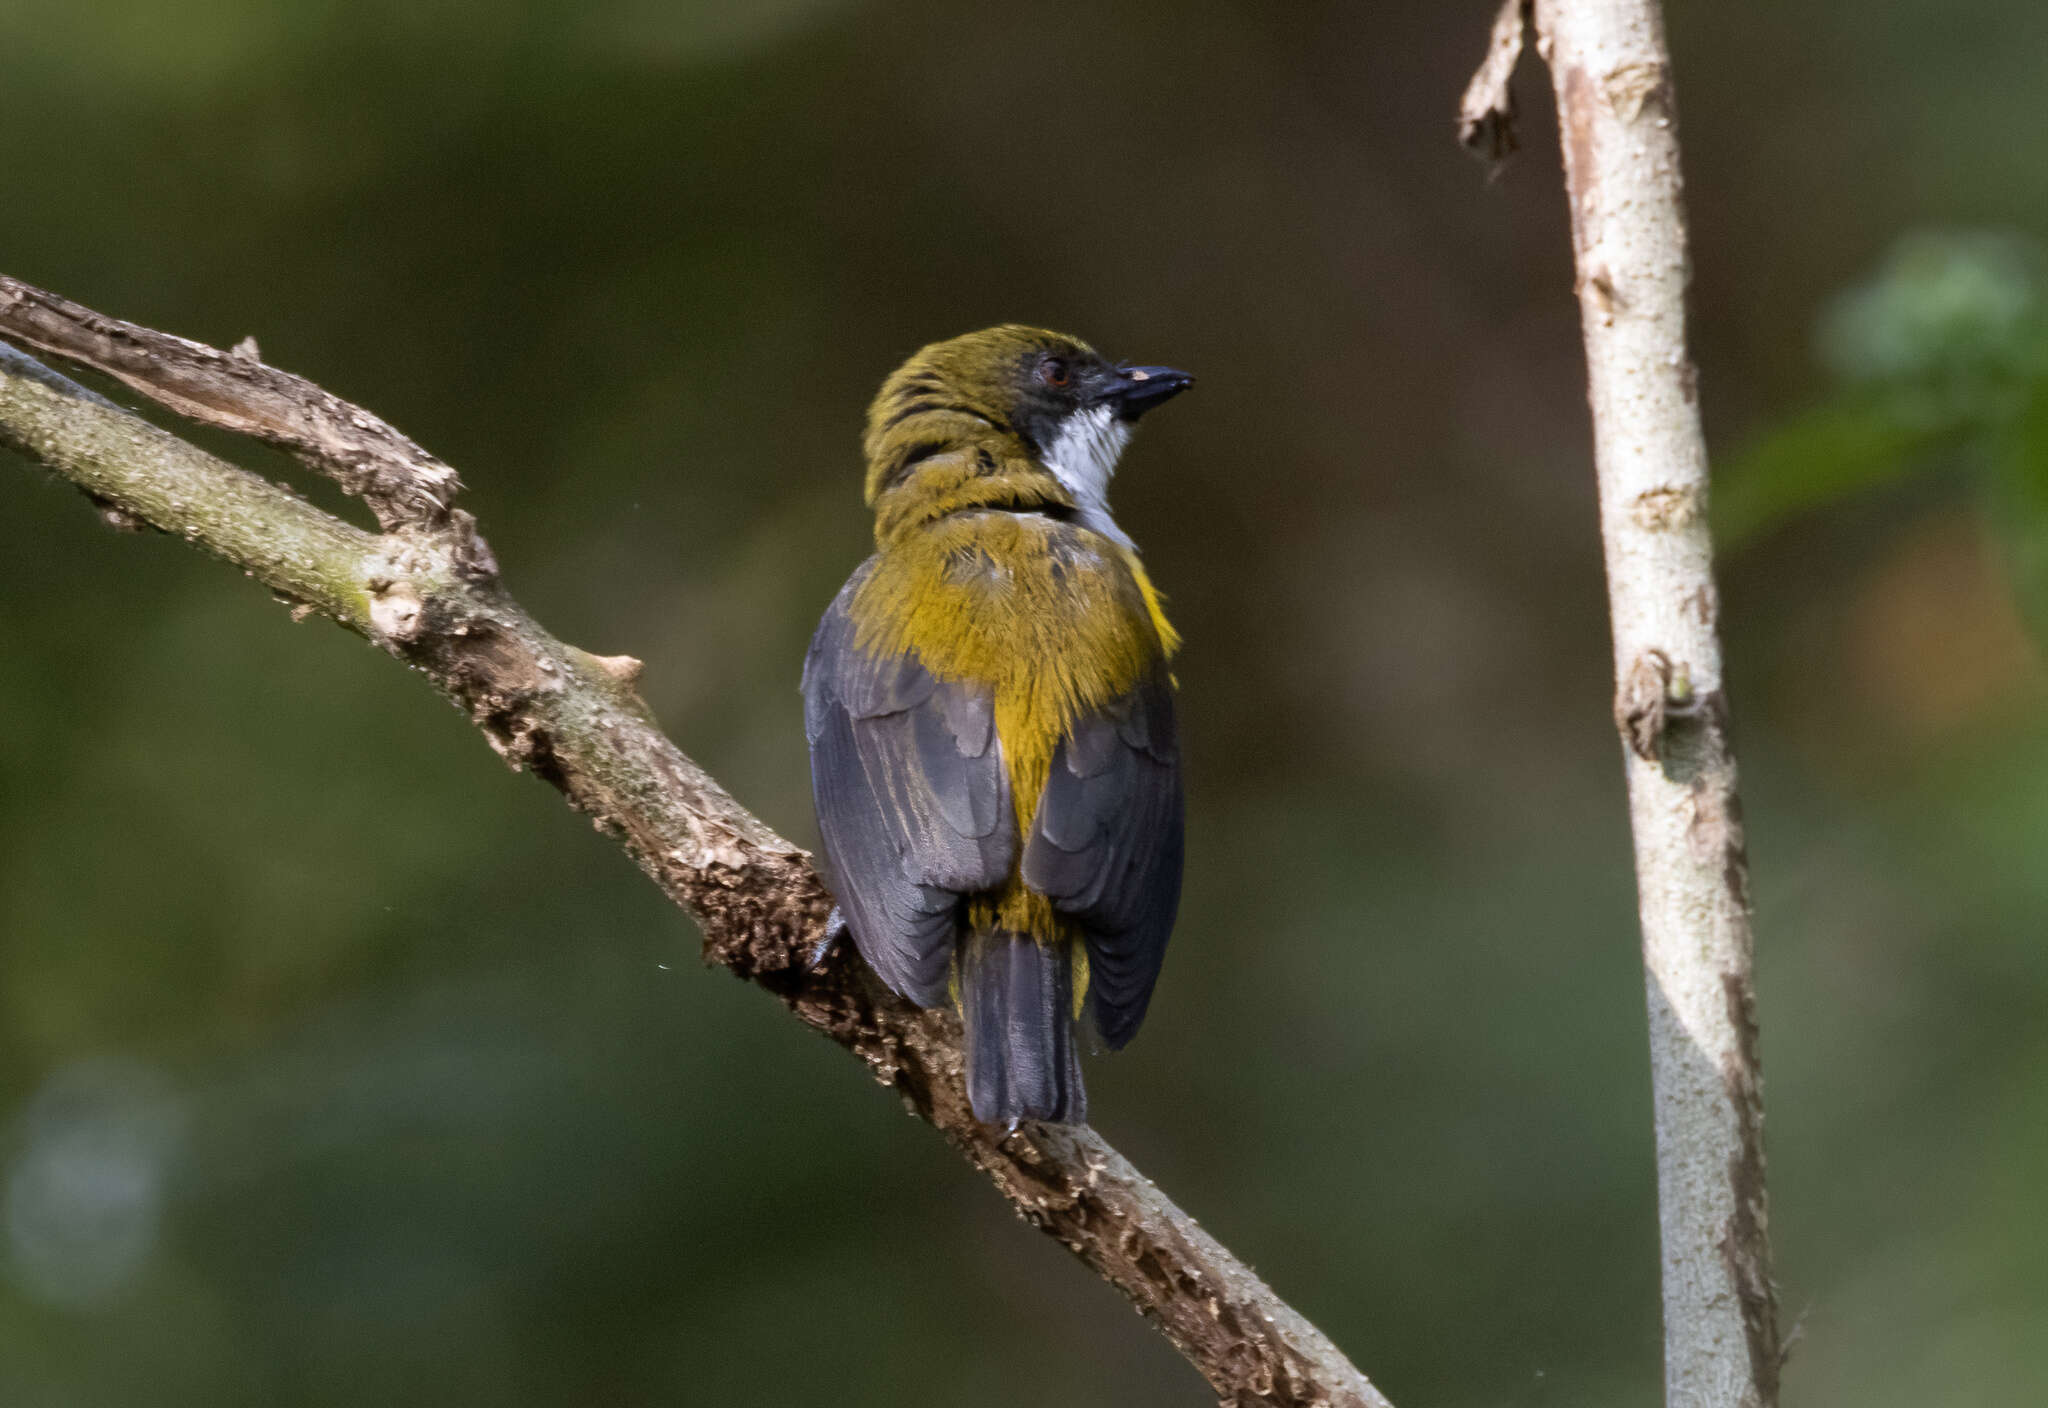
(993, 750)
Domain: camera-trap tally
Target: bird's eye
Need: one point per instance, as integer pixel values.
(1053, 372)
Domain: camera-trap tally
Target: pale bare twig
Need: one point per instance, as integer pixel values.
(403, 484)
(1486, 114)
(1612, 76)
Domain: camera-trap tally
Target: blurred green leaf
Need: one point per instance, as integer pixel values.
(1821, 457)
(1947, 308)
(1946, 345)
(2015, 502)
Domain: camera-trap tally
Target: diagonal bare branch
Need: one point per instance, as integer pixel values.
(574, 720)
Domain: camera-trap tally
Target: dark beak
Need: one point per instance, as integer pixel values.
(1139, 389)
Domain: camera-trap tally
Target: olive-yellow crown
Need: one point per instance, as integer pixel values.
(1014, 391)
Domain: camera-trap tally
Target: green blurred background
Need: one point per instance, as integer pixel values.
(340, 1066)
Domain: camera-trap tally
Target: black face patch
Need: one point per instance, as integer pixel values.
(1052, 383)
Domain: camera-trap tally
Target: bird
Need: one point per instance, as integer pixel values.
(989, 706)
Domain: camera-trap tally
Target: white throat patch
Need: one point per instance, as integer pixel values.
(1083, 458)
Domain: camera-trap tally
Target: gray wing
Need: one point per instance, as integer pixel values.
(913, 801)
(1106, 846)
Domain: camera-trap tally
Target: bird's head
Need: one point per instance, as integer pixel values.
(1015, 392)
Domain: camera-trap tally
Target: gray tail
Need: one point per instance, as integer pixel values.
(1017, 1001)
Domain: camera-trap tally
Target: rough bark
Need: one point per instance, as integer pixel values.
(1612, 76)
(425, 590)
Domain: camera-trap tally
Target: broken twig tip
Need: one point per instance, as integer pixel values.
(623, 668)
(1486, 114)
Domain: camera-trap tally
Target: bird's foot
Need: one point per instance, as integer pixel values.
(835, 930)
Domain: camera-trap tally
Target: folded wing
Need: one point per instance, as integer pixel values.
(912, 797)
(1106, 846)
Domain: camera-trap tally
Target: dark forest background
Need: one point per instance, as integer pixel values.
(340, 1066)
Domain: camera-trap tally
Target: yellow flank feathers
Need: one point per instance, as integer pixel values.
(1155, 608)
